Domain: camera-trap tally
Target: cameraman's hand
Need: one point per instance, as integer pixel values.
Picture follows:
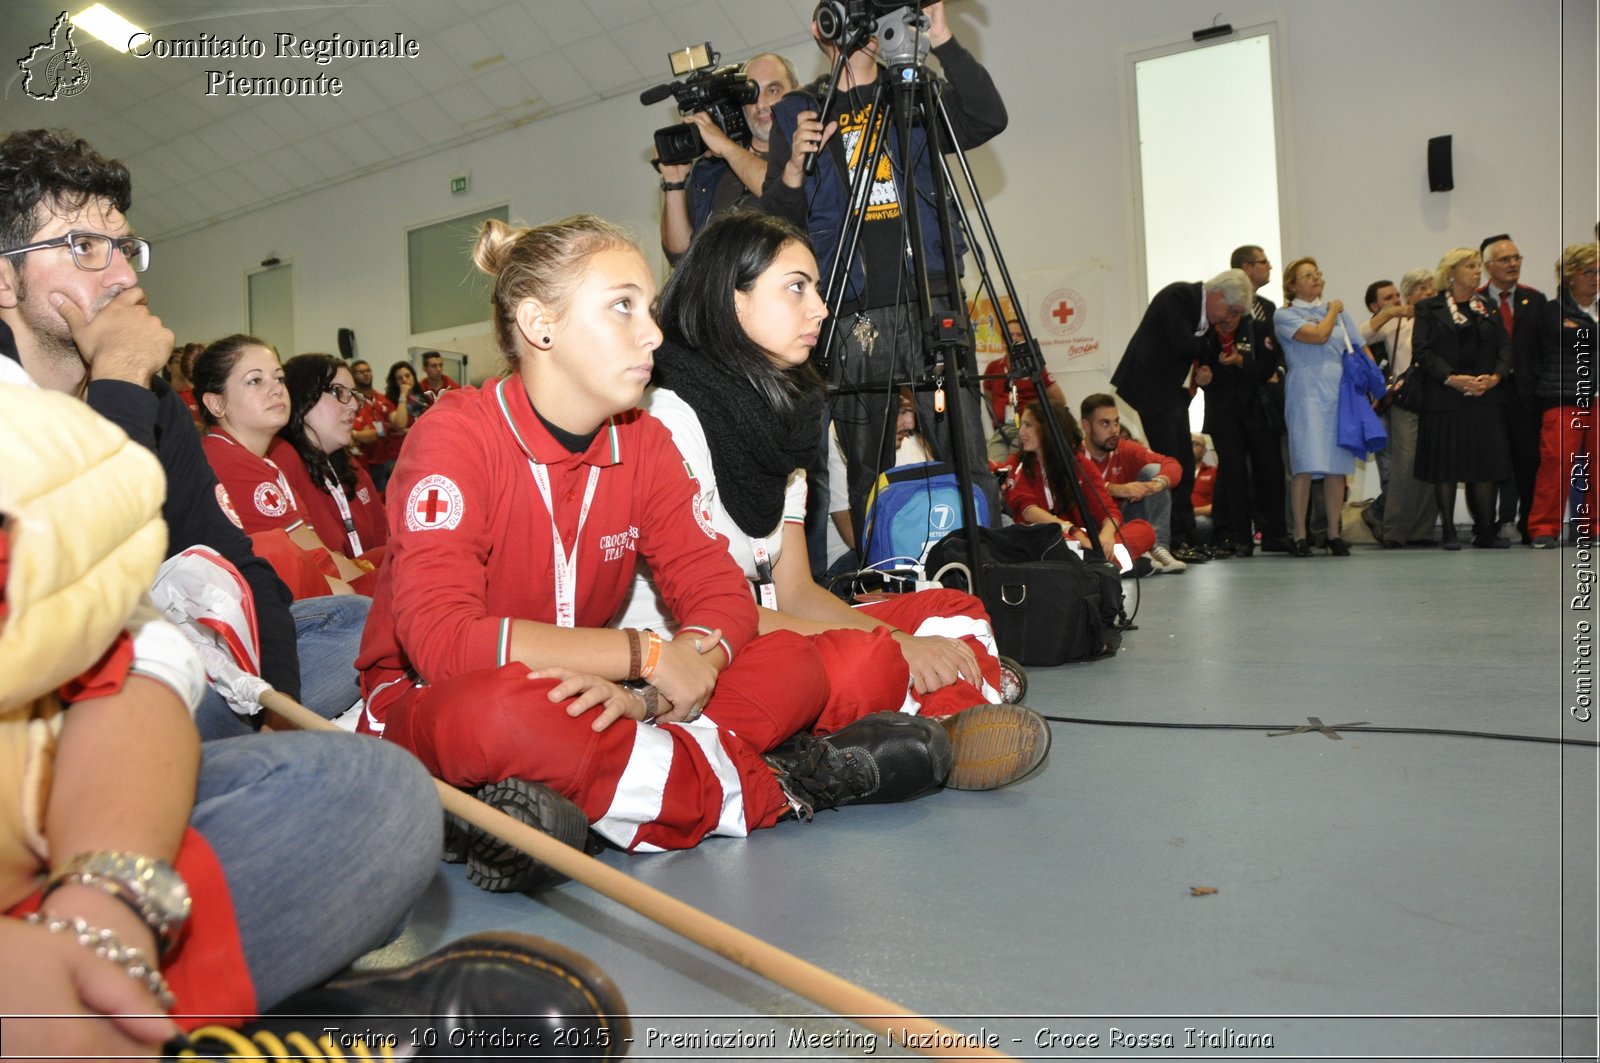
(938, 28)
(671, 171)
(716, 141)
(810, 135)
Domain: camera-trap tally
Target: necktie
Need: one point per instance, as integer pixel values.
(1505, 309)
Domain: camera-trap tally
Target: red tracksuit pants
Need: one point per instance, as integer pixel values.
(643, 787)
(868, 673)
(1566, 468)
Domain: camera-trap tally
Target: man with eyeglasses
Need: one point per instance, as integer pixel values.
(1518, 307)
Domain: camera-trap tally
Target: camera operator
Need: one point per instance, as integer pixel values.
(727, 176)
(877, 334)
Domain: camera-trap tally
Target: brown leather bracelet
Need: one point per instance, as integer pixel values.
(635, 652)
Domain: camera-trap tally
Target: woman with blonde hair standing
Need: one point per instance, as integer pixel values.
(1463, 353)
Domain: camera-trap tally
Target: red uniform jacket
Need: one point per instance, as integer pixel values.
(322, 512)
(1022, 490)
(470, 545)
(254, 493)
(1122, 465)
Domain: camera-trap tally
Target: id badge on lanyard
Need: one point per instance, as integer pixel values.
(344, 514)
(566, 565)
(766, 590)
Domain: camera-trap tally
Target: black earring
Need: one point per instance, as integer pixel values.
(544, 341)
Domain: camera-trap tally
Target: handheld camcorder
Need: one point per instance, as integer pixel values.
(721, 93)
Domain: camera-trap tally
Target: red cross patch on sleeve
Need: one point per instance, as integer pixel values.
(434, 504)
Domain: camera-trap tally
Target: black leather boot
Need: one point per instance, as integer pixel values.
(881, 758)
(487, 995)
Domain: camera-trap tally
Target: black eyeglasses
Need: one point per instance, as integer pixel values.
(342, 395)
(92, 251)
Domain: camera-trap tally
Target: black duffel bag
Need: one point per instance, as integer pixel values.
(1047, 605)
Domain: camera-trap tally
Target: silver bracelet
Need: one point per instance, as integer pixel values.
(104, 943)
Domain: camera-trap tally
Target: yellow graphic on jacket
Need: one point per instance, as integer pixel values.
(884, 201)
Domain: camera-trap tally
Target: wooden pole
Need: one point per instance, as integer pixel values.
(842, 998)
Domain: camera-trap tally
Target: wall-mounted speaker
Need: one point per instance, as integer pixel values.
(347, 344)
(1441, 173)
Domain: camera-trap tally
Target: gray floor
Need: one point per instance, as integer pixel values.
(1378, 896)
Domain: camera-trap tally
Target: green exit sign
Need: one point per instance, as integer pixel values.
(458, 184)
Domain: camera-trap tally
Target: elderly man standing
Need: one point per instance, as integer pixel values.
(1518, 307)
(1177, 334)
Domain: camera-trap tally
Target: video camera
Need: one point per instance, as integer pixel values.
(901, 28)
(721, 93)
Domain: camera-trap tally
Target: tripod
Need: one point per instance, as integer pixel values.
(907, 99)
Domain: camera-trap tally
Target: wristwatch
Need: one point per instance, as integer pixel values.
(152, 888)
(673, 186)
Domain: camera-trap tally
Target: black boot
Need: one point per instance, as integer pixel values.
(499, 866)
(485, 995)
(885, 757)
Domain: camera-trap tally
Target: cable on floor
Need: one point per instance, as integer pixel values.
(1362, 729)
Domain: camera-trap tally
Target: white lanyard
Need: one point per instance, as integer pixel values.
(344, 514)
(566, 566)
(766, 590)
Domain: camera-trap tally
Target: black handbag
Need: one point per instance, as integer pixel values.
(1047, 605)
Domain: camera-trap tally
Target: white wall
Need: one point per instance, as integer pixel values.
(1369, 81)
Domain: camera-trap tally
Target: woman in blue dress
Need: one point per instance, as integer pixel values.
(1314, 336)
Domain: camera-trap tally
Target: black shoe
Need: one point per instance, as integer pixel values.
(500, 867)
(1301, 548)
(1142, 567)
(1394, 544)
(994, 745)
(549, 999)
(1191, 555)
(1244, 550)
(1491, 542)
(1223, 550)
(1338, 548)
(882, 758)
(1276, 544)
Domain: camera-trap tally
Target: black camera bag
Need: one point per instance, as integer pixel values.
(1047, 605)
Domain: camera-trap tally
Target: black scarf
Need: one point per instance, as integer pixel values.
(754, 448)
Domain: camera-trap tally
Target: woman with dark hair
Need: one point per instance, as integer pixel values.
(735, 386)
(337, 496)
(1463, 353)
(1036, 490)
(401, 390)
(243, 402)
(519, 511)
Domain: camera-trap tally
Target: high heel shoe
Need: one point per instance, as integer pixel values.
(1338, 548)
(1301, 548)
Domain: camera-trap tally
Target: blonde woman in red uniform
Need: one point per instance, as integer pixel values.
(516, 513)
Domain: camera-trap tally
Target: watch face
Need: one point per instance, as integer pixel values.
(165, 889)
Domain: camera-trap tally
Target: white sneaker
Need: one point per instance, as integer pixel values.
(1161, 560)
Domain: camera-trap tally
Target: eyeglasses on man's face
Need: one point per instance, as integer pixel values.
(92, 251)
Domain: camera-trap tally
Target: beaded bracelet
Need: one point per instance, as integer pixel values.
(635, 653)
(105, 944)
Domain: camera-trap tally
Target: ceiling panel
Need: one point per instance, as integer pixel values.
(485, 65)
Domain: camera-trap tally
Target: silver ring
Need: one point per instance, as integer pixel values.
(696, 645)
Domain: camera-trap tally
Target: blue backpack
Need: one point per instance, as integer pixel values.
(911, 507)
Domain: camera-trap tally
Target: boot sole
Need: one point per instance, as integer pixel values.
(500, 867)
(995, 746)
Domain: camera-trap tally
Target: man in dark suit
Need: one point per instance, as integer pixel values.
(1518, 307)
(1176, 334)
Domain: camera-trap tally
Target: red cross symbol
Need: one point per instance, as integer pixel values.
(1063, 312)
(434, 507)
(271, 498)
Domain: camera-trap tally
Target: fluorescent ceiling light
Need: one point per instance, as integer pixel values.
(102, 22)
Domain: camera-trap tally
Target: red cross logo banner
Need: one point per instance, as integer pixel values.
(1063, 312)
(435, 504)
